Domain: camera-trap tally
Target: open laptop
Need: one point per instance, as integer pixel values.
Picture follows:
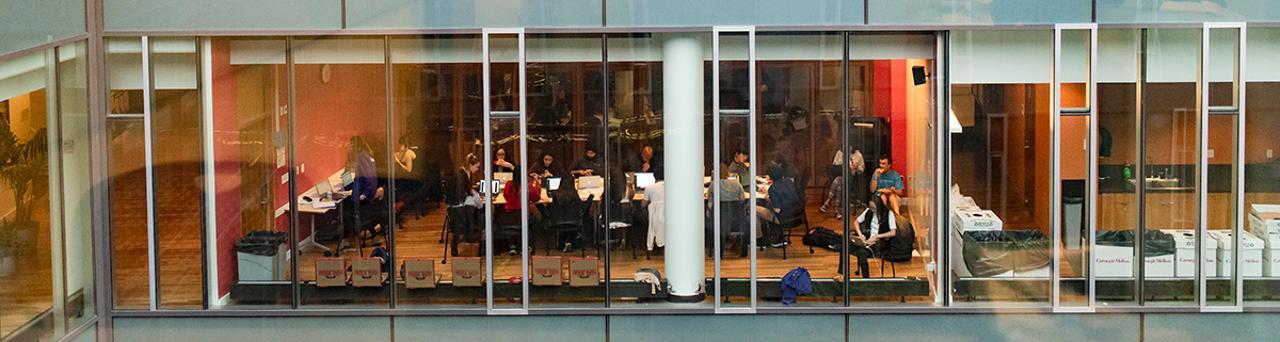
(645, 179)
(324, 188)
(553, 183)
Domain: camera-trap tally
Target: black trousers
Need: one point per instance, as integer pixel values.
(861, 251)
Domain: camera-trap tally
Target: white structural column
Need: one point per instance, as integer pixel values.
(682, 124)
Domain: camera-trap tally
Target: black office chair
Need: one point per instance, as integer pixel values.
(734, 225)
(897, 249)
(506, 226)
(794, 218)
(368, 220)
(461, 226)
(563, 215)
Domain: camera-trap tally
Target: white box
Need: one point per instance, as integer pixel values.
(1269, 232)
(1250, 254)
(1042, 272)
(1162, 266)
(1185, 257)
(1265, 211)
(1112, 261)
(971, 220)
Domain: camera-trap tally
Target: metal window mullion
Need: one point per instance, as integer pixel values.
(751, 114)
(942, 168)
(1055, 174)
(524, 171)
(57, 223)
(488, 202)
(208, 195)
(391, 171)
(153, 264)
(1202, 195)
(1091, 204)
(1240, 210)
(713, 193)
(752, 220)
(291, 169)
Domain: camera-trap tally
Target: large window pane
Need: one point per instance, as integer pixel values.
(1168, 178)
(340, 137)
(1262, 120)
(73, 93)
(658, 117)
(127, 184)
(1000, 165)
(177, 171)
(438, 121)
(565, 119)
(1118, 157)
(250, 133)
(25, 234)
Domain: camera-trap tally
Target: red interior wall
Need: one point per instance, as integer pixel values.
(226, 153)
(889, 80)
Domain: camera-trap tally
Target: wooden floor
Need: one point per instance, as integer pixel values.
(28, 292)
(420, 238)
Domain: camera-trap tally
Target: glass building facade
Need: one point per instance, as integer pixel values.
(638, 170)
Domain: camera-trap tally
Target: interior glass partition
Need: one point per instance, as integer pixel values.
(437, 116)
(1001, 166)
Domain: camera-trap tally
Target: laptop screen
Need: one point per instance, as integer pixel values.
(324, 187)
(553, 183)
(645, 179)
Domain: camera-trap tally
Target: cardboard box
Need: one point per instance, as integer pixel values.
(331, 272)
(584, 272)
(468, 272)
(970, 220)
(1185, 257)
(1269, 232)
(546, 271)
(1265, 211)
(1112, 261)
(1250, 254)
(420, 273)
(366, 272)
(1117, 262)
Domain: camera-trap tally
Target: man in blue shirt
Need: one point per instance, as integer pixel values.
(887, 184)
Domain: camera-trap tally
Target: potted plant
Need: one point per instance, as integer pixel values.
(23, 163)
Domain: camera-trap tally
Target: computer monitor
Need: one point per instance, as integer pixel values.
(645, 179)
(553, 183)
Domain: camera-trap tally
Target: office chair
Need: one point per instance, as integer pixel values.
(564, 215)
(460, 224)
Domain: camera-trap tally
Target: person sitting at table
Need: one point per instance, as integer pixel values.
(887, 184)
(511, 193)
(874, 227)
(589, 165)
(784, 201)
(740, 168)
(548, 168)
(500, 163)
(835, 192)
(463, 201)
(648, 162)
(654, 203)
